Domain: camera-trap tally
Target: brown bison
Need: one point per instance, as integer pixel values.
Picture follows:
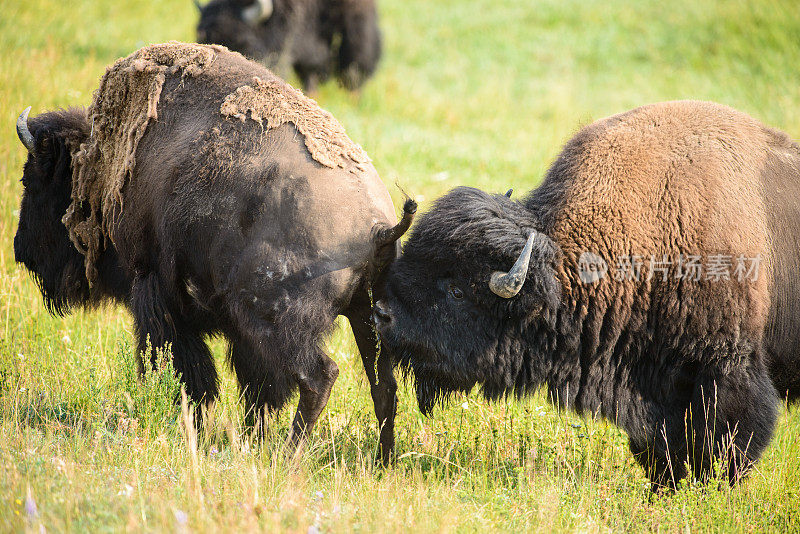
(653, 283)
(314, 37)
(210, 197)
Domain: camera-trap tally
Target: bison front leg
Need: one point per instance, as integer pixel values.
(725, 419)
(731, 418)
(315, 386)
(382, 384)
(157, 327)
(663, 458)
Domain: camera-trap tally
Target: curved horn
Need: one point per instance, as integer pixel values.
(390, 235)
(508, 284)
(23, 132)
(260, 11)
(508, 193)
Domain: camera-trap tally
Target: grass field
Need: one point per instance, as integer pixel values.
(472, 92)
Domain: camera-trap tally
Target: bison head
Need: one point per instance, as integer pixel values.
(246, 26)
(42, 243)
(474, 283)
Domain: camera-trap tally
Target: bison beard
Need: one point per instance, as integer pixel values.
(434, 385)
(691, 369)
(211, 198)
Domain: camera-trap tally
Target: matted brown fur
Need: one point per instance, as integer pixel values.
(273, 102)
(125, 104)
(122, 108)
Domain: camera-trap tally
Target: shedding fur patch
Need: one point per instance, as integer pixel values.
(122, 108)
(272, 103)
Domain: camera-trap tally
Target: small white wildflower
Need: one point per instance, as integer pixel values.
(180, 517)
(126, 491)
(30, 507)
(465, 405)
(66, 339)
(319, 495)
(59, 464)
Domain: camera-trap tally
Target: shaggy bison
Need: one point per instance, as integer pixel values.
(314, 37)
(210, 197)
(653, 283)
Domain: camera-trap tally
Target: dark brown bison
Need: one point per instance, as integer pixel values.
(653, 283)
(314, 37)
(210, 197)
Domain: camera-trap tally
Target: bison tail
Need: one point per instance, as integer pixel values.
(385, 238)
(388, 236)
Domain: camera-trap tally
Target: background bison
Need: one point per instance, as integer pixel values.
(315, 37)
(692, 367)
(210, 197)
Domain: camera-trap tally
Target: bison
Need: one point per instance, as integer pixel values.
(211, 198)
(692, 362)
(314, 37)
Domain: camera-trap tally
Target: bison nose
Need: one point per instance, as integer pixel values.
(380, 313)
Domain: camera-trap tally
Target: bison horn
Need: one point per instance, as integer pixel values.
(508, 193)
(508, 284)
(23, 132)
(260, 11)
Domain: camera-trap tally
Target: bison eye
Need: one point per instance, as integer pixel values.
(456, 293)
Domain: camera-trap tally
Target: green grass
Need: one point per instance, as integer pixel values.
(470, 92)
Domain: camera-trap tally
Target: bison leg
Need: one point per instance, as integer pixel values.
(383, 386)
(275, 347)
(158, 328)
(726, 416)
(664, 462)
(731, 418)
(360, 48)
(263, 383)
(315, 386)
